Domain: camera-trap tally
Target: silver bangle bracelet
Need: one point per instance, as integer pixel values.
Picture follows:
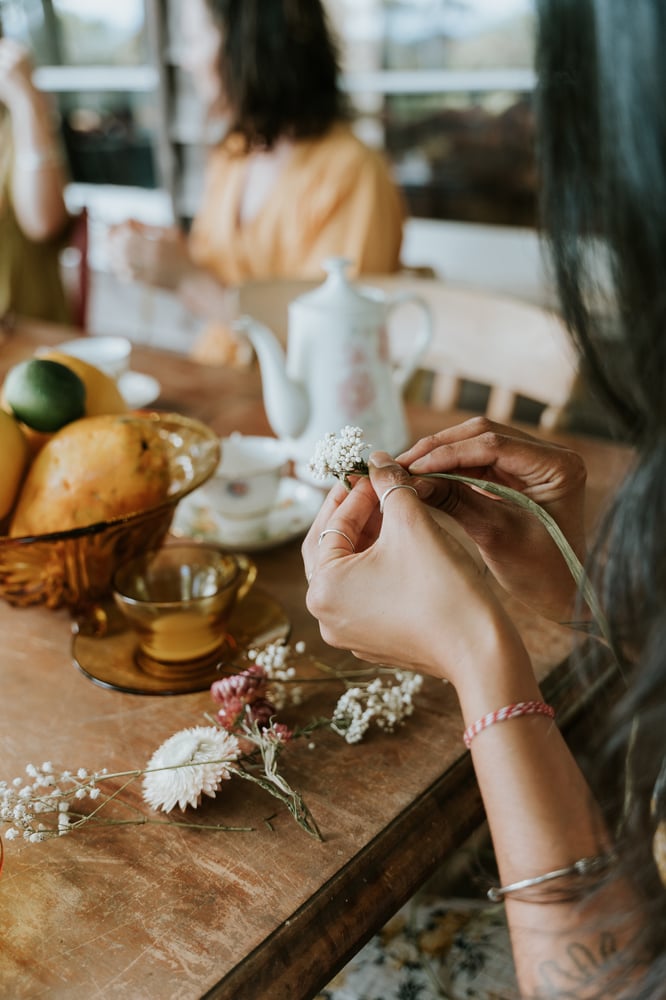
(583, 867)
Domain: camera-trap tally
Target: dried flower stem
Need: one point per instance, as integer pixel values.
(293, 800)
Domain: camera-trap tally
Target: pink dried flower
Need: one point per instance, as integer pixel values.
(280, 732)
(247, 685)
(261, 711)
(231, 713)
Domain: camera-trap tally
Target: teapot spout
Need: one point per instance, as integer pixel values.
(285, 401)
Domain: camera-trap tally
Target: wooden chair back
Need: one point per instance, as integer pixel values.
(513, 348)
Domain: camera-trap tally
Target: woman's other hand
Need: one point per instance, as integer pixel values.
(409, 595)
(514, 545)
(154, 255)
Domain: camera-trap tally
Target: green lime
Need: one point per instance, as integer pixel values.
(43, 394)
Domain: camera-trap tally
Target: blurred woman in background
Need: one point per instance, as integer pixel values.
(33, 217)
(290, 184)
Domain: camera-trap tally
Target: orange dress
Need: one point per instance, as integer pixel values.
(333, 197)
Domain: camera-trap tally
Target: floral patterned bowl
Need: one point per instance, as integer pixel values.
(74, 568)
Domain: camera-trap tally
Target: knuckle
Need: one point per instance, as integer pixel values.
(330, 637)
(317, 599)
(481, 425)
(430, 442)
(576, 468)
(397, 475)
(492, 440)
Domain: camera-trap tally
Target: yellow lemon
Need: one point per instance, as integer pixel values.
(14, 454)
(102, 394)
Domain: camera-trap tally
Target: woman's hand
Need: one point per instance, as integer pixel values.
(409, 595)
(151, 254)
(16, 85)
(515, 546)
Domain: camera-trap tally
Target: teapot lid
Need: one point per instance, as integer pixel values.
(337, 292)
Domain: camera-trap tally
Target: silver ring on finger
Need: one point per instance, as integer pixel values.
(398, 486)
(336, 531)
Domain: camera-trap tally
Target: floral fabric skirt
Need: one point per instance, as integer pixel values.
(433, 949)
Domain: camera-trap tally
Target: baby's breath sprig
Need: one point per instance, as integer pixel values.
(341, 455)
(47, 804)
(387, 704)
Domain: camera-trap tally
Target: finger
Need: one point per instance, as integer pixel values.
(332, 501)
(471, 428)
(519, 462)
(390, 479)
(309, 549)
(347, 526)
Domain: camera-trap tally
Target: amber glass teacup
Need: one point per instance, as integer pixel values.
(178, 600)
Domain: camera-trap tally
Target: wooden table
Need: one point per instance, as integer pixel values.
(150, 913)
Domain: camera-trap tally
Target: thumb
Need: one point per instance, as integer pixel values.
(388, 477)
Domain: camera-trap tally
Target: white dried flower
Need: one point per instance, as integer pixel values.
(340, 455)
(191, 763)
(275, 661)
(387, 705)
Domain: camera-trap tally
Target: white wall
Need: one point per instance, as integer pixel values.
(496, 258)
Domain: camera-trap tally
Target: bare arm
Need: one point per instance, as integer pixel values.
(543, 817)
(451, 625)
(38, 179)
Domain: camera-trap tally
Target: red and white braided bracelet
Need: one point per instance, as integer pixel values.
(508, 712)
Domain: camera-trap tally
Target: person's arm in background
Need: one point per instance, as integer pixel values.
(37, 178)
(159, 256)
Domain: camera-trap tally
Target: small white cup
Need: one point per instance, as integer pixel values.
(110, 354)
(244, 488)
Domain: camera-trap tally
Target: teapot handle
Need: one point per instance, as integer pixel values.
(406, 368)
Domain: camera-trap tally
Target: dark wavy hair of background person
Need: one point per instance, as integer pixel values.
(280, 70)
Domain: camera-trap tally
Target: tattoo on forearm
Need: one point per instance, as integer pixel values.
(583, 972)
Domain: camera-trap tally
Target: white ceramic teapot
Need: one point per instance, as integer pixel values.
(338, 369)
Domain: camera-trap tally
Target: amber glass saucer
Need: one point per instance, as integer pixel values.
(112, 658)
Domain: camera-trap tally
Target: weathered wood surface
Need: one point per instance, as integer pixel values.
(150, 913)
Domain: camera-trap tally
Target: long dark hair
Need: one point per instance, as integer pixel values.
(279, 67)
(602, 151)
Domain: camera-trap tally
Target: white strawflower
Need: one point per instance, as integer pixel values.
(340, 454)
(191, 763)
